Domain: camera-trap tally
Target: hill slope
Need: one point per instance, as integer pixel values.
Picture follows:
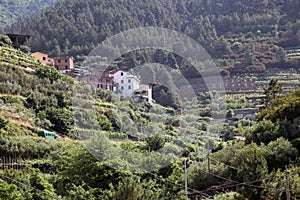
(241, 34)
(28, 88)
(34, 96)
(13, 11)
(77, 23)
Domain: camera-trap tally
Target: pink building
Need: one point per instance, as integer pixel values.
(104, 81)
(62, 63)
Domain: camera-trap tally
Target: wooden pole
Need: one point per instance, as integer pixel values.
(185, 181)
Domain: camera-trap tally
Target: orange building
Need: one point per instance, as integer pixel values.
(60, 63)
(43, 58)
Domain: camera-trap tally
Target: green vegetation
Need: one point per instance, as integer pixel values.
(242, 36)
(236, 159)
(13, 12)
(41, 99)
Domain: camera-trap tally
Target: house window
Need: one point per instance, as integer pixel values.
(129, 81)
(66, 60)
(129, 87)
(122, 81)
(66, 67)
(107, 80)
(122, 74)
(100, 80)
(100, 86)
(122, 87)
(108, 87)
(58, 60)
(44, 58)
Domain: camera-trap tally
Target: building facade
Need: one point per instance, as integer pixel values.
(103, 80)
(63, 63)
(60, 63)
(43, 58)
(127, 83)
(143, 94)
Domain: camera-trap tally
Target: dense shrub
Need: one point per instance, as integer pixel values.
(4, 39)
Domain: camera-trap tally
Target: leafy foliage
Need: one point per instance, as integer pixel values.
(274, 88)
(13, 12)
(4, 40)
(279, 153)
(251, 170)
(155, 142)
(9, 191)
(263, 132)
(228, 30)
(61, 118)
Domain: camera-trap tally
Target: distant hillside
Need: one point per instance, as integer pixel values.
(16, 10)
(244, 36)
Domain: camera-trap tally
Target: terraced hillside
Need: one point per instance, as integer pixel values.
(16, 58)
(22, 79)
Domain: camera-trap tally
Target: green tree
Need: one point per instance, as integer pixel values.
(272, 91)
(275, 186)
(9, 191)
(80, 193)
(77, 167)
(285, 107)
(230, 114)
(43, 190)
(61, 118)
(25, 49)
(279, 153)
(155, 142)
(251, 166)
(129, 188)
(264, 131)
(200, 178)
(229, 196)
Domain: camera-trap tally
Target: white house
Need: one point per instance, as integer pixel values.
(127, 83)
(143, 94)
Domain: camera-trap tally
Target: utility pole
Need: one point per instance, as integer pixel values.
(208, 161)
(185, 181)
(287, 184)
(208, 158)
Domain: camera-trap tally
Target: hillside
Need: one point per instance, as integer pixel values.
(243, 36)
(135, 137)
(14, 11)
(30, 87)
(111, 148)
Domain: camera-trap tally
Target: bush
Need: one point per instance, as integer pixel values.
(10, 99)
(278, 153)
(263, 132)
(3, 122)
(155, 142)
(25, 49)
(61, 118)
(4, 39)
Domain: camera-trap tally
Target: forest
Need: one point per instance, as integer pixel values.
(242, 36)
(13, 11)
